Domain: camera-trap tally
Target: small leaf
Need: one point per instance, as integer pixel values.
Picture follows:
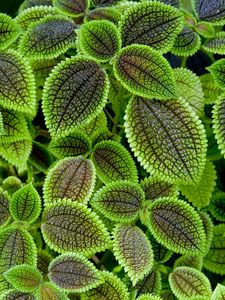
(151, 283)
(74, 273)
(17, 86)
(217, 69)
(74, 93)
(100, 39)
(211, 11)
(192, 261)
(151, 23)
(167, 138)
(70, 226)
(48, 291)
(120, 201)
(219, 292)
(133, 251)
(216, 44)
(99, 122)
(104, 13)
(217, 206)
(189, 284)
(176, 225)
(143, 71)
(38, 43)
(16, 295)
(219, 122)
(9, 31)
(205, 29)
(210, 89)
(11, 184)
(149, 297)
(4, 208)
(59, 183)
(113, 162)
(4, 285)
(73, 8)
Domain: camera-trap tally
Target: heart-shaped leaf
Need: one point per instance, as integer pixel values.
(111, 14)
(4, 208)
(48, 291)
(219, 122)
(219, 292)
(73, 8)
(210, 11)
(9, 31)
(151, 284)
(216, 44)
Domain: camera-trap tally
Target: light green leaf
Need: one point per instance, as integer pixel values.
(216, 44)
(4, 285)
(219, 122)
(205, 29)
(210, 88)
(48, 291)
(217, 69)
(73, 8)
(99, 122)
(11, 184)
(219, 292)
(4, 208)
(210, 11)
(208, 228)
(9, 31)
(104, 13)
(192, 261)
(151, 283)
(149, 297)
(217, 206)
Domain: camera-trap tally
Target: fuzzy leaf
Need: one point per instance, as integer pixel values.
(133, 251)
(99, 122)
(211, 11)
(161, 253)
(17, 87)
(149, 297)
(219, 122)
(217, 69)
(4, 285)
(216, 44)
(219, 292)
(74, 273)
(16, 247)
(11, 184)
(100, 39)
(4, 208)
(103, 2)
(74, 93)
(105, 13)
(48, 291)
(192, 261)
(26, 204)
(43, 260)
(167, 138)
(210, 88)
(70, 226)
(151, 23)
(9, 31)
(151, 283)
(113, 162)
(16, 295)
(143, 71)
(48, 38)
(59, 183)
(208, 228)
(176, 225)
(73, 8)
(189, 284)
(31, 3)
(217, 206)
(120, 201)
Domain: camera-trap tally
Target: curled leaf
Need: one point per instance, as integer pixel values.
(9, 31)
(216, 44)
(11, 184)
(4, 208)
(73, 8)
(208, 228)
(219, 122)
(48, 291)
(210, 11)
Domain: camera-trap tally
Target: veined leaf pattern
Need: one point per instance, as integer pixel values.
(73, 8)
(219, 122)
(210, 10)
(216, 44)
(4, 208)
(9, 31)
(48, 291)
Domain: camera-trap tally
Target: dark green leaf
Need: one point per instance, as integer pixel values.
(99, 122)
(16, 295)
(192, 261)
(216, 44)
(149, 297)
(210, 11)
(217, 69)
(9, 31)
(43, 260)
(208, 228)
(151, 283)
(217, 206)
(4, 208)
(40, 158)
(161, 253)
(73, 8)
(219, 122)
(210, 89)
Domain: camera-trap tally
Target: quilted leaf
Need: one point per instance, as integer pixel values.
(161, 253)
(167, 138)
(104, 13)
(113, 162)
(219, 292)
(210, 88)
(210, 11)
(193, 261)
(30, 3)
(149, 297)
(73, 8)
(74, 93)
(189, 284)
(151, 283)
(99, 122)
(104, 2)
(4, 285)
(176, 225)
(143, 71)
(59, 183)
(133, 251)
(4, 208)
(16, 295)
(219, 122)
(217, 206)
(48, 291)
(208, 228)
(43, 260)
(70, 226)
(151, 23)
(9, 31)
(217, 69)
(216, 44)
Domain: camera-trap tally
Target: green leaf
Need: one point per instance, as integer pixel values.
(59, 182)
(76, 143)
(104, 2)
(30, 3)
(151, 23)
(16, 295)
(219, 122)
(189, 284)
(11, 184)
(104, 135)
(26, 204)
(205, 29)
(217, 206)
(17, 86)
(99, 122)
(48, 291)
(192, 261)
(70, 226)
(37, 43)
(4, 208)
(104, 13)
(214, 261)
(211, 11)
(216, 44)
(16, 247)
(133, 251)
(149, 297)
(43, 260)
(217, 69)
(9, 31)
(168, 139)
(74, 93)
(210, 88)
(73, 8)
(25, 278)
(100, 39)
(143, 71)
(113, 162)
(151, 283)
(120, 201)
(161, 253)
(4, 285)
(176, 225)
(219, 292)
(199, 195)
(208, 228)
(74, 273)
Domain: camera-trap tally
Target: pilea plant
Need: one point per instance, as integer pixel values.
(112, 147)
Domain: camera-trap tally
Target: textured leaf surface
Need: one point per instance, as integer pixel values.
(192, 261)
(113, 162)
(43, 260)
(210, 88)
(189, 284)
(48, 38)
(72, 8)
(205, 29)
(217, 206)
(120, 201)
(30, 3)
(11, 184)
(69, 226)
(17, 89)
(176, 225)
(74, 93)
(219, 292)
(216, 44)
(104, 2)
(208, 228)
(143, 71)
(105, 13)
(133, 251)
(59, 183)
(40, 158)
(48, 291)
(219, 122)
(151, 23)
(151, 283)
(217, 69)
(9, 31)
(149, 297)
(4, 208)
(99, 122)
(211, 11)
(16, 295)
(4, 285)
(167, 138)
(161, 253)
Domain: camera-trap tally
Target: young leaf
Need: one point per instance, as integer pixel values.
(104, 13)
(11, 184)
(210, 89)
(192, 261)
(37, 43)
(16, 247)
(100, 39)
(74, 93)
(4, 208)
(151, 283)
(176, 225)
(205, 29)
(168, 139)
(26, 204)
(113, 162)
(151, 23)
(112, 288)
(217, 206)
(74, 273)
(216, 44)
(217, 69)
(120, 201)
(17, 86)
(48, 291)
(133, 251)
(189, 284)
(143, 71)
(210, 11)
(73, 8)
(149, 297)
(16, 295)
(219, 122)
(59, 183)
(70, 226)
(219, 292)
(9, 31)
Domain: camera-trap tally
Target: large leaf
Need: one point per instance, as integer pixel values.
(73, 8)
(210, 11)
(219, 292)
(74, 93)
(219, 122)
(216, 44)
(4, 208)
(167, 138)
(143, 71)
(48, 291)
(70, 226)
(9, 31)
